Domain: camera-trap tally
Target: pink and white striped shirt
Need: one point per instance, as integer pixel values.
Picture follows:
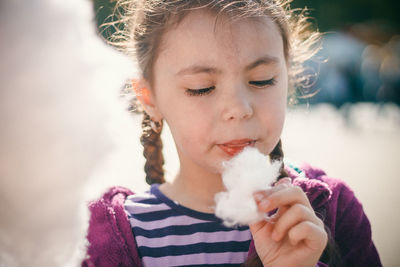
(169, 234)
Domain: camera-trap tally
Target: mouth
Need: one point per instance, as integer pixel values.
(234, 147)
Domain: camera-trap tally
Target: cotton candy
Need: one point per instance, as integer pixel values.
(59, 102)
(244, 174)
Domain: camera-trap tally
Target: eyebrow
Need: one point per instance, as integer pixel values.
(195, 69)
(265, 60)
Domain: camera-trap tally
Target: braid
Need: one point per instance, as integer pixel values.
(152, 151)
(277, 154)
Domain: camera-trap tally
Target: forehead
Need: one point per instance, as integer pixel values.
(203, 37)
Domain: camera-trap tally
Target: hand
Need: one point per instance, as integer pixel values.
(294, 236)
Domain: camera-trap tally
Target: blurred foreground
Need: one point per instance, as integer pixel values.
(58, 101)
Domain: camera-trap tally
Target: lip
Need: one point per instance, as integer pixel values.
(234, 147)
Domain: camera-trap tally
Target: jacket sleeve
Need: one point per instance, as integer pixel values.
(110, 240)
(351, 229)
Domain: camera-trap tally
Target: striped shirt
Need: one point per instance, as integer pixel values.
(169, 234)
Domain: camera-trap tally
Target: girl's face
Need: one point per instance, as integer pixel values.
(220, 87)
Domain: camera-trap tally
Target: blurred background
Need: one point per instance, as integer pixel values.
(361, 47)
(66, 134)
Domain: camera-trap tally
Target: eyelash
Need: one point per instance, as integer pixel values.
(206, 91)
(264, 83)
(199, 92)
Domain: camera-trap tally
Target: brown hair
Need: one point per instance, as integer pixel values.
(142, 23)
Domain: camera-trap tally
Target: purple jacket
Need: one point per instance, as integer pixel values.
(111, 242)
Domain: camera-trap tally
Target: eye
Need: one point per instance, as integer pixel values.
(199, 92)
(263, 83)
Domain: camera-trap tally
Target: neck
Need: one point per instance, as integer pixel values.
(194, 188)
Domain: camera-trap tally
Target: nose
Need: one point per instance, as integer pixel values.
(236, 105)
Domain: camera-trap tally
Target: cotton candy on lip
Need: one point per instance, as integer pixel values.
(244, 174)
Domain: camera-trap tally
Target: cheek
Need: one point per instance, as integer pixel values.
(189, 125)
(273, 105)
(279, 114)
(280, 102)
(272, 115)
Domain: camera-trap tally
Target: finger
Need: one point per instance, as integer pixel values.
(285, 180)
(281, 184)
(291, 217)
(273, 217)
(286, 197)
(281, 211)
(314, 236)
(262, 225)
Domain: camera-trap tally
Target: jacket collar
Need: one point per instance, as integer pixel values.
(310, 179)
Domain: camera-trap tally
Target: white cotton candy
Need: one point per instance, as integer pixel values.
(61, 115)
(246, 173)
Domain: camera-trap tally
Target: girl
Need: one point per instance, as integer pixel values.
(218, 73)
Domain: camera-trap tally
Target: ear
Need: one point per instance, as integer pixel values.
(146, 98)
